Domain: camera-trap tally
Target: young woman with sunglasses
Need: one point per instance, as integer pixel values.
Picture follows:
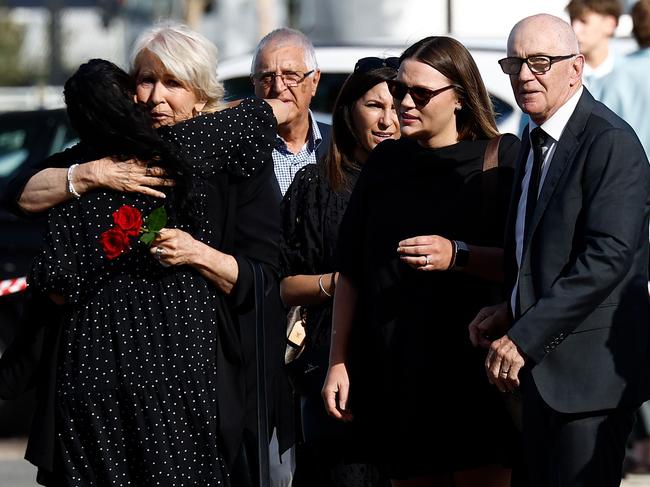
(418, 257)
(364, 115)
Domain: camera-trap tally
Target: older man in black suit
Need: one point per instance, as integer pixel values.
(576, 328)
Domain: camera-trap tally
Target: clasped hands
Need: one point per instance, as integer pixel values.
(504, 359)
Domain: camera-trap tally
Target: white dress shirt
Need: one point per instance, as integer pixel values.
(554, 127)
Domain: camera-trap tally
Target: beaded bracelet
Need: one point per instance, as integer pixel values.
(71, 189)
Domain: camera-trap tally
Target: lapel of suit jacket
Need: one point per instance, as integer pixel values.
(562, 157)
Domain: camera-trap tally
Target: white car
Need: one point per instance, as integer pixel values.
(336, 63)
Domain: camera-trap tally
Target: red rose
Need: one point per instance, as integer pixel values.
(128, 219)
(114, 242)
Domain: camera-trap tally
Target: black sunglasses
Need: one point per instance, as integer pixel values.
(538, 64)
(420, 95)
(369, 63)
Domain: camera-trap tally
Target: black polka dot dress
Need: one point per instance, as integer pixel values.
(141, 358)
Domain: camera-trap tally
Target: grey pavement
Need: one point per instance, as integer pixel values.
(14, 470)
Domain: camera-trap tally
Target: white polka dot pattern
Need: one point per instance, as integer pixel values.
(136, 400)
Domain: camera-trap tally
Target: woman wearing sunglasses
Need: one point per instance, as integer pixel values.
(418, 256)
(364, 115)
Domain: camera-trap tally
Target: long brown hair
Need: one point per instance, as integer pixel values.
(475, 119)
(340, 160)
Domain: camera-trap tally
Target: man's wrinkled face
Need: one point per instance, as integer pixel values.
(540, 95)
(288, 60)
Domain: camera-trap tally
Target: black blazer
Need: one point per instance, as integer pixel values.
(324, 146)
(583, 315)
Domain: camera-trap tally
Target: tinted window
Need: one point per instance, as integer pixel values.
(30, 137)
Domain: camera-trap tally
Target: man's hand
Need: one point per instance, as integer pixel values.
(503, 363)
(490, 322)
(426, 253)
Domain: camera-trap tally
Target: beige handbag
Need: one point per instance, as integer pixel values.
(296, 334)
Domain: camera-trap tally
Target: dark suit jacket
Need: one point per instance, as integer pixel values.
(583, 315)
(324, 146)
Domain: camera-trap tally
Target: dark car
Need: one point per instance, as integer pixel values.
(26, 138)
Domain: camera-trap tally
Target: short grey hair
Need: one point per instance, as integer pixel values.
(185, 54)
(285, 36)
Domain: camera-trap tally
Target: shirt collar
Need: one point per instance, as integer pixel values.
(554, 126)
(314, 137)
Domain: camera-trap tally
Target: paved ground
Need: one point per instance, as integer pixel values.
(16, 472)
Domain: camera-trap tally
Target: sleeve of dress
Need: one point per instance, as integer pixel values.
(257, 230)
(300, 248)
(16, 185)
(351, 240)
(235, 140)
(57, 267)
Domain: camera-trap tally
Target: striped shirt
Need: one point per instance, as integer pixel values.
(286, 164)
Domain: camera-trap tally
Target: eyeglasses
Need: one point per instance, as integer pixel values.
(371, 63)
(537, 64)
(289, 78)
(420, 95)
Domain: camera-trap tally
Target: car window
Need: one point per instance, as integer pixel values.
(12, 151)
(29, 137)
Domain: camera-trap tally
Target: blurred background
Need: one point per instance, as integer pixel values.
(43, 42)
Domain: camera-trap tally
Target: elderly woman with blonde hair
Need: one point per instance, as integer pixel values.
(149, 386)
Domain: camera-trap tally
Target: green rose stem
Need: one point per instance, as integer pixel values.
(155, 222)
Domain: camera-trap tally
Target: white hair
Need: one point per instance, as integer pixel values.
(285, 36)
(185, 54)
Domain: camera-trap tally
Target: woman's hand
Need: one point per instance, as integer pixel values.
(131, 176)
(175, 247)
(426, 253)
(336, 392)
(49, 187)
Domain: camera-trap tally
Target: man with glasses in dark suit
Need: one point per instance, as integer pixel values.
(575, 330)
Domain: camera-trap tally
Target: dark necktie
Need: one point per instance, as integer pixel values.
(539, 139)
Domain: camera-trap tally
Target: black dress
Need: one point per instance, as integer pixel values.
(149, 358)
(417, 386)
(311, 215)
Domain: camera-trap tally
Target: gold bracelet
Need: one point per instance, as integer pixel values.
(322, 288)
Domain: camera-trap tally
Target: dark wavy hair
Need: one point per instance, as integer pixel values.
(340, 160)
(475, 119)
(101, 107)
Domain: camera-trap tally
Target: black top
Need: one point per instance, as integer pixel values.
(411, 359)
(311, 216)
(155, 351)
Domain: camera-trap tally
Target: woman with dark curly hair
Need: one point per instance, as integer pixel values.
(150, 382)
(363, 116)
(419, 245)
